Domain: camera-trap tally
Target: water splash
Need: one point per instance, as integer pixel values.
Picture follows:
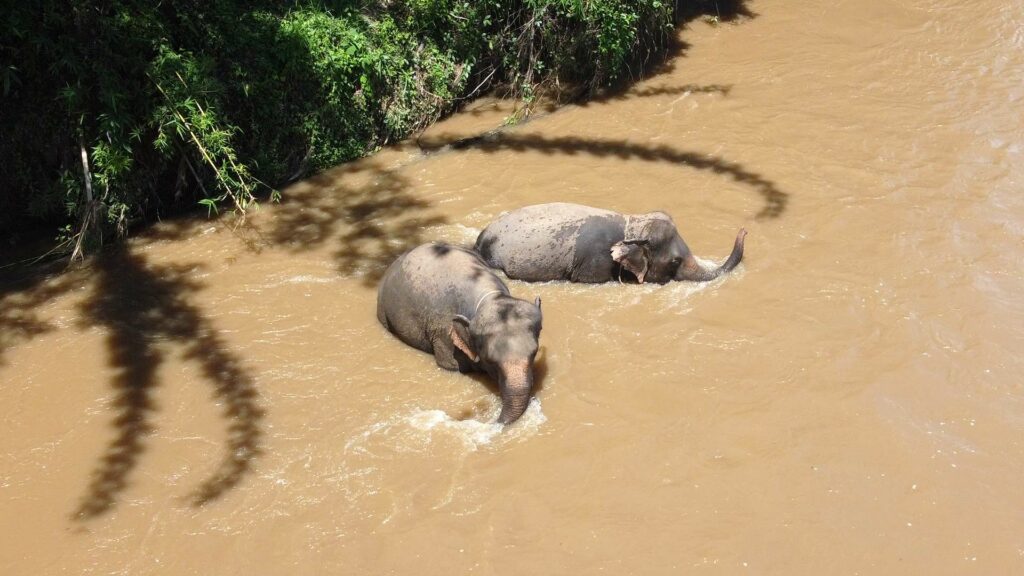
(475, 433)
(420, 430)
(672, 297)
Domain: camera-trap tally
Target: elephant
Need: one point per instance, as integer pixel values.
(444, 300)
(562, 241)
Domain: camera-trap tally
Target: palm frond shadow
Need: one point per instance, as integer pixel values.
(372, 223)
(775, 199)
(20, 301)
(142, 306)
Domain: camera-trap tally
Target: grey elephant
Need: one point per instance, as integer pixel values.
(562, 241)
(444, 300)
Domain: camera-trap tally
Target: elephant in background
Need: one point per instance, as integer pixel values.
(445, 300)
(562, 241)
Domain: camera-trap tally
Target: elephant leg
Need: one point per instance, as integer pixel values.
(592, 261)
(444, 354)
(594, 269)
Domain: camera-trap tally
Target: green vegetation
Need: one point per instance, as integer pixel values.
(119, 111)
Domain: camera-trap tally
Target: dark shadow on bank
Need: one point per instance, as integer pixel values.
(712, 12)
(719, 10)
(142, 307)
(687, 13)
(649, 63)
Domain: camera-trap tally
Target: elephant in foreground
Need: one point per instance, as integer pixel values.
(562, 241)
(444, 300)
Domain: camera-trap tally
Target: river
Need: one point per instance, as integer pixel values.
(219, 399)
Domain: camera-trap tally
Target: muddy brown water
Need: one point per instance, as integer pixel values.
(848, 401)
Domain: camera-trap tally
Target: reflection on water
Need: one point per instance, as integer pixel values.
(848, 400)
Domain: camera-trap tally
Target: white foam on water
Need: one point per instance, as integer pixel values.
(277, 281)
(673, 297)
(380, 454)
(417, 430)
(307, 279)
(475, 433)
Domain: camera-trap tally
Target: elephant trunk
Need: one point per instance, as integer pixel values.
(692, 270)
(516, 384)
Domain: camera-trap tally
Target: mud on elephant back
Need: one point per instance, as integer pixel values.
(562, 241)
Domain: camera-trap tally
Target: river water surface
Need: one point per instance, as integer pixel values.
(221, 400)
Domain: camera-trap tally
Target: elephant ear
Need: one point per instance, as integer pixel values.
(633, 255)
(459, 333)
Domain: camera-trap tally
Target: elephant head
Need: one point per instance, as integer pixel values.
(654, 252)
(502, 339)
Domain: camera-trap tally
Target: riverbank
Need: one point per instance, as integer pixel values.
(120, 115)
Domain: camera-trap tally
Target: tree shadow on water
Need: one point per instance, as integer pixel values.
(20, 302)
(722, 89)
(367, 210)
(142, 307)
(775, 200)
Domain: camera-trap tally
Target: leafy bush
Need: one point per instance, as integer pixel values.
(117, 111)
